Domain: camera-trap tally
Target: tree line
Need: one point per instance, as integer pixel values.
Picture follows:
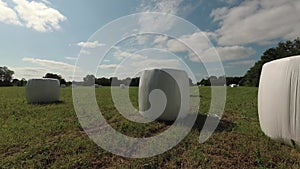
(282, 50)
(251, 78)
(219, 81)
(89, 80)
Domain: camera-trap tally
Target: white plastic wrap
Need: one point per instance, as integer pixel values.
(122, 86)
(233, 85)
(279, 100)
(173, 84)
(42, 90)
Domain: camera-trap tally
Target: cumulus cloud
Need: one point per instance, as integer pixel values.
(188, 45)
(176, 7)
(110, 66)
(165, 6)
(207, 52)
(229, 1)
(132, 56)
(8, 15)
(197, 40)
(137, 66)
(234, 52)
(94, 44)
(228, 53)
(243, 62)
(160, 39)
(71, 58)
(29, 72)
(257, 21)
(39, 72)
(50, 64)
(31, 14)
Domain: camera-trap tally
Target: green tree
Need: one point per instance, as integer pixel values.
(5, 76)
(283, 49)
(89, 80)
(103, 81)
(55, 76)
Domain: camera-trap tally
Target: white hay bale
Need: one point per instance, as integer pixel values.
(175, 90)
(96, 86)
(279, 100)
(63, 85)
(233, 85)
(122, 86)
(42, 90)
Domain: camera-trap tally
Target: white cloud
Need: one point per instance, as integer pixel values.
(175, 46)
(258, 21)
(235, 52)
(164, 6)
(219, 14)
(229, 1)
(137, 66)
(94, 44)
(46, 2)
(160, 39)
(31, 14)
(50, 64)
(38, 15)
(45, 66)
(225, 54)
(243, 63)
(28, 72)
(39, 72)
(175, 7)
(71, 58)
(142, 39)
(132, 56)
(85, 52)
(110, 66)
(8, 15)
(197, 40)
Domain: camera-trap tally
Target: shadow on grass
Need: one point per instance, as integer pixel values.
(224, 125)
(48, 103)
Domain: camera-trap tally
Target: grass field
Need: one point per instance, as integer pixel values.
(43, 136)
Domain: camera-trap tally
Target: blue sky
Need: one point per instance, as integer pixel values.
(47, 35)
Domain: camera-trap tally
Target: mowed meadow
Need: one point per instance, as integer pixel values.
(50, 135)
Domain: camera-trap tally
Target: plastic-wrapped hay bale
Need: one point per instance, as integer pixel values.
(63, 85)
(175, 86)
(122, 86)
(233, 85)
(279, 100)
(42, 90)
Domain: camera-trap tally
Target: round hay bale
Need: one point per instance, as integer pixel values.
(278, 100)
(63, 85)
(42, 90)
(233, 85)
(175, 86)
(122, 86)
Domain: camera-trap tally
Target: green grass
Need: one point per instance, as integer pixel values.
(43, 136)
